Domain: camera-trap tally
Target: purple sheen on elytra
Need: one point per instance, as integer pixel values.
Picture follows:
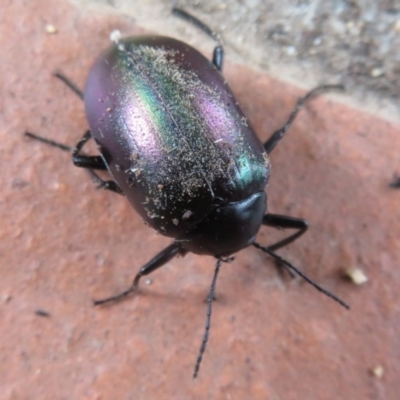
(177, 137)
(226, 130)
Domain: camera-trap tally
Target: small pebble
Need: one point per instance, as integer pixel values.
(357, 276)
(317, 41)
(291, 51)
(377, 72)
(51, 28)
(42, 313)
(6, 298)
(378, 371)
(397, 26)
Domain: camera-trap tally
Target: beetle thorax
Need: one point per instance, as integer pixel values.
(228, 229)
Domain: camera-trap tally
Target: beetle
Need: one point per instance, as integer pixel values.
(179, 148)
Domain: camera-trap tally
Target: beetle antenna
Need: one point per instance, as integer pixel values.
(50, 142)
(196, 22)
(270, 144)
(292, 267)
(210, 299)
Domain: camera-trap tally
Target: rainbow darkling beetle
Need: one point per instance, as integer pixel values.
(179, 148)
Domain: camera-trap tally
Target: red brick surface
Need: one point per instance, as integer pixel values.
(63, 243)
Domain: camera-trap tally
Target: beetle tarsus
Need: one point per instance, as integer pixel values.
(112, 186)
(132, 290)
(116, 298)
(156, 262)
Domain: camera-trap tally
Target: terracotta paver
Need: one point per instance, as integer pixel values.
(64, 243)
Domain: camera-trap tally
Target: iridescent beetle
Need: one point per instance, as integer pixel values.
(178, 146)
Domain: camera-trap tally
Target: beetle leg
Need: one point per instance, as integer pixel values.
(69, 83)
(79, 160)
(156, 262)
(112, 186)
(306, 278)
(270, 144)
(284, 221)
(218, 57)
(281, 222)
(210, 299)
(218, 54)
(91, 163)
(88, 162)
(83, 161)
(50, 142)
